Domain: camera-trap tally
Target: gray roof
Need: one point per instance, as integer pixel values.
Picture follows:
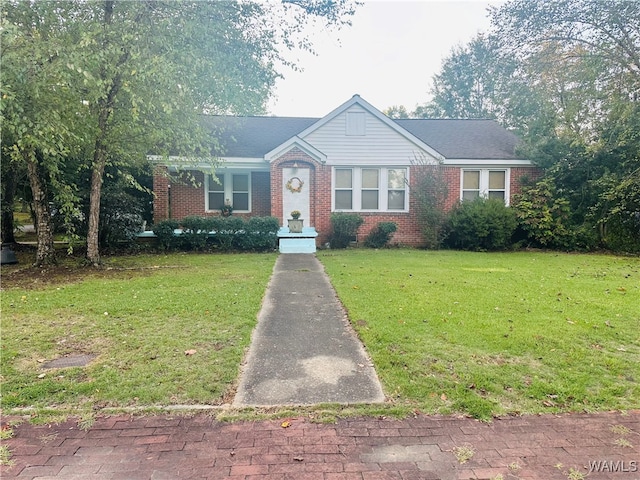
(480, 139)
(464, 139)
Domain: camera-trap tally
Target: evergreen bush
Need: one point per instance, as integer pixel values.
(380, 235)
(164, 234)
(482, 224)
(345, 226)
(261, 234)
(195, 232)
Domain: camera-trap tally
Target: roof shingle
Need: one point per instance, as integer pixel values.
(478, 139)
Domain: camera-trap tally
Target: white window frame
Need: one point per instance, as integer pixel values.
(356, 189)
(228, 189)
(484, 182)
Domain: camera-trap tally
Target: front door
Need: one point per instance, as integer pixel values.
(295, 193)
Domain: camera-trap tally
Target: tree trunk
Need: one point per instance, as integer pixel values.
(45, 253)
(105, 108)
(93, 245)
(8, 200)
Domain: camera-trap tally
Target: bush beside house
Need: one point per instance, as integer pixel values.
(256, 234)
(482, 224)
(381, 235)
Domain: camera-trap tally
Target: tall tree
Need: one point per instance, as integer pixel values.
(565, 74)
(397, 111)
(466, 84)
(583, 55)
(39, 111)
(146, 70)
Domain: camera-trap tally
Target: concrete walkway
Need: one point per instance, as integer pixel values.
(303, 350)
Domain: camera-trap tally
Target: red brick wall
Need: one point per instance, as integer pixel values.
(185, 195)
(266, 193)
(161, 194)
(260, 194)
(408, 232)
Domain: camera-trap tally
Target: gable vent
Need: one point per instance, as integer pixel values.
(356, 123)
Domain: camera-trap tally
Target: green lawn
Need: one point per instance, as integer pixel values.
(140, 318)
(478, 333)
(496, 333)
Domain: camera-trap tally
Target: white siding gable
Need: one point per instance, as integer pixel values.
(357, 137)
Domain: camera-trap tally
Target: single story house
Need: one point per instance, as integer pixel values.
(355, 159)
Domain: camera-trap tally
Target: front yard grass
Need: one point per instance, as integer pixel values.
(449, 332)
(496, 333)
(138, 317)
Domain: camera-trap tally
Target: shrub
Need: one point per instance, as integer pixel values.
(542, 215)
(380, 235)
(225, 233)
(164, 234)
(622, 234)
(195, 232)
(430, 193)
(483, 224)
(345, 226)
(261, 234)
(227, 230)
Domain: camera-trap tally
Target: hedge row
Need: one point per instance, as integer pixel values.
(223, 233)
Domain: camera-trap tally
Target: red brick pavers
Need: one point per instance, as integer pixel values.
(545, 447)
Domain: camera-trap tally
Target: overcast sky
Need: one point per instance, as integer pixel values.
(388, 56)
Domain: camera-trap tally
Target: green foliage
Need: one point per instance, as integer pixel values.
(483, 224)
(430, 194)
(562, 74)
(256, 234)
(468, 83)
(260, 234)
(164, 234)
(195, 232)
(112, 81)
(542, 215)
(380, 235)
(623, 234)
(227, 232)
(345, 227)
(121, 217)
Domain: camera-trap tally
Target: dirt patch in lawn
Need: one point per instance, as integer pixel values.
(70, 269)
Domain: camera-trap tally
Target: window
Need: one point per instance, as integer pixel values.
(470, 184)
(216, 192)
(484, 183)
(232, 187)
(497, 184)
(370, 189)
(344, 189)
(396, 187)
(240, 192)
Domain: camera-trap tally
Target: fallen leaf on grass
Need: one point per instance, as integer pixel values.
(190, 352)
(285, 424)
